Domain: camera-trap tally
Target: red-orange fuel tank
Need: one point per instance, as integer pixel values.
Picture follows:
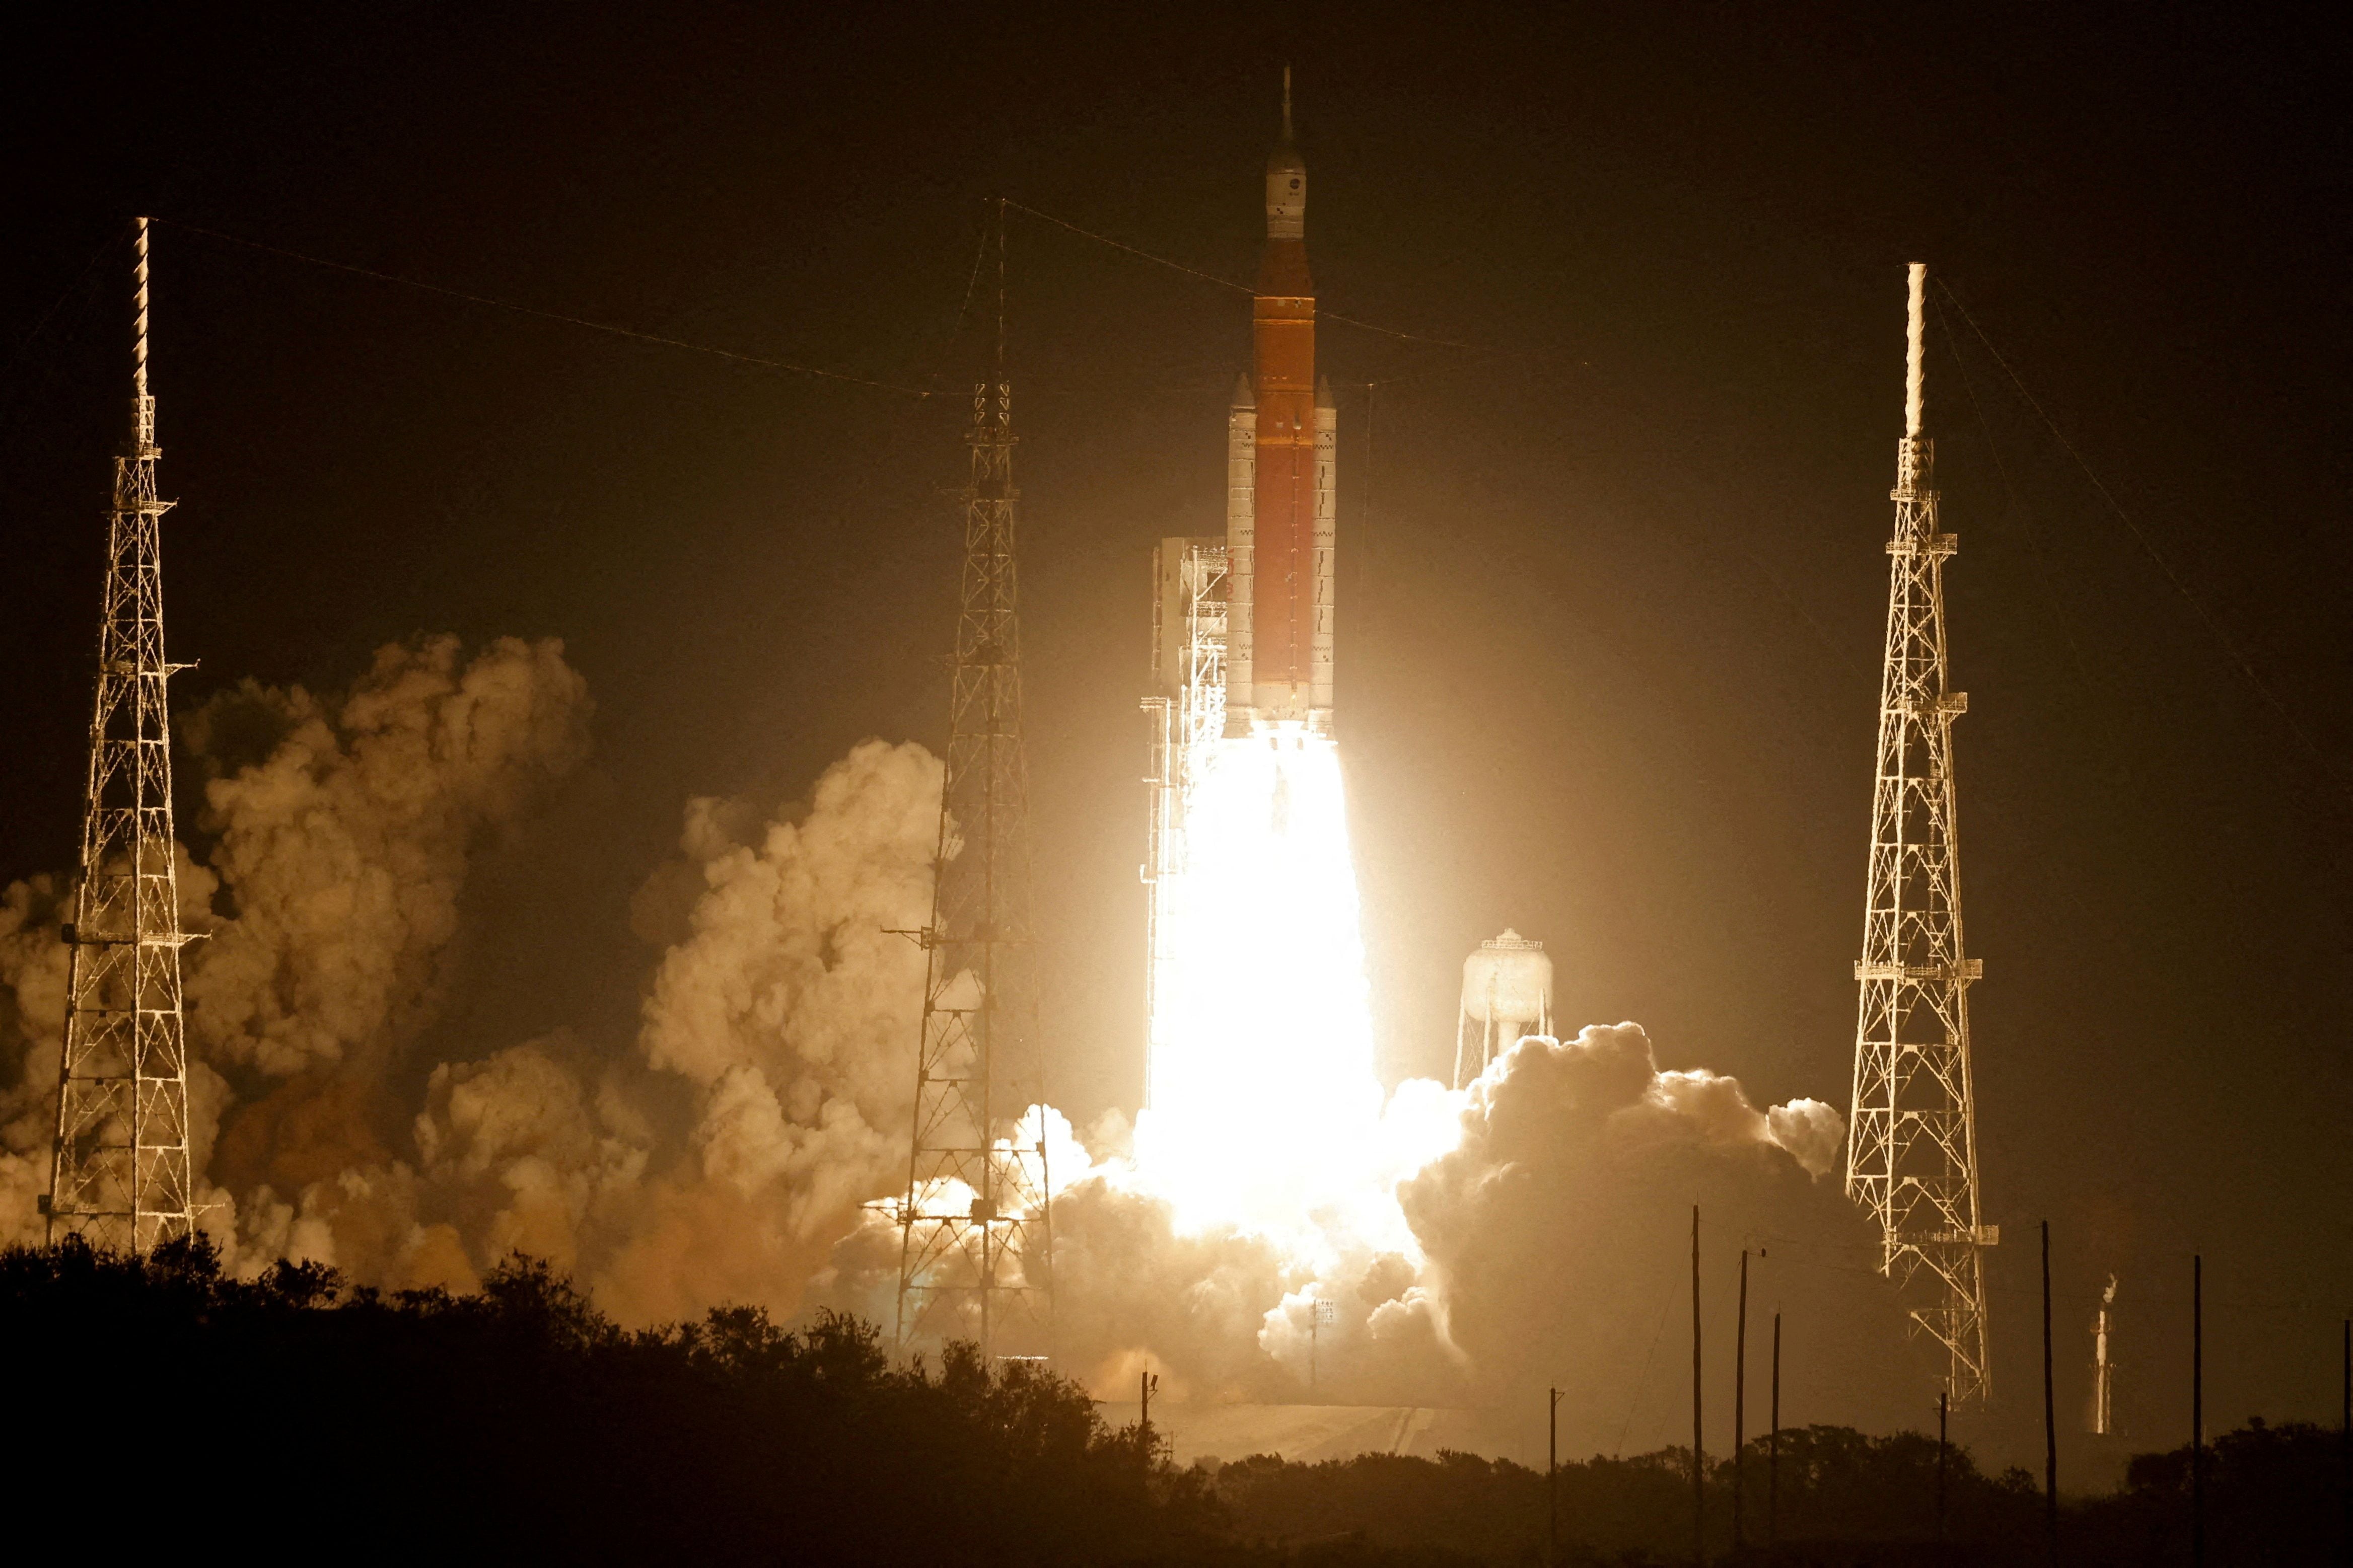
(1283, 328)
(1280, 534)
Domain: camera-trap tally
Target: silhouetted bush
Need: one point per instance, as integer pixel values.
(2273, 1495)
(1843, 1498)
(522, 1422)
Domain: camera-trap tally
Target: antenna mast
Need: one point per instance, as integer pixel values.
(120, 1175)
(1912, 1155)
(976, 1226)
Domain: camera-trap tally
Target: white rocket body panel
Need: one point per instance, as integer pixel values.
(1241, 499)
(1322, 647)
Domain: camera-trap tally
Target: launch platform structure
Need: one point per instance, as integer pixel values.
(120, 1175)
(1912, 1145)
(976, 1223)
(1185, 712)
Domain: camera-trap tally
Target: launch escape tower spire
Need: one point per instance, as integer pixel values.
(120, 1175)
(1911, 1157)
(976, 1226)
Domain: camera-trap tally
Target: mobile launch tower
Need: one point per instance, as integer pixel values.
(1186, 709)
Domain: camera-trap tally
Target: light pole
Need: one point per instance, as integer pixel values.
(1552, 1480)
(1321, 1313)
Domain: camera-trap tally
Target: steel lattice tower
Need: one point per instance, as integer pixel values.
(976, 1222)
(120, 1176)
(1911, 1157)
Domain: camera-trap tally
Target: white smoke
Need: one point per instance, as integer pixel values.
(33, 977)
(1543, 1222)
(343, 851)
(724, 1152)
(31, 1017)
(522, 1155)
(717, 1156)
(1557, 1233)
(790, 1001)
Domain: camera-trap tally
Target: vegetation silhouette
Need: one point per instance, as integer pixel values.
(296, 1415)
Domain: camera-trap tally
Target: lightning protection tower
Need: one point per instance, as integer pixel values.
(120, 1175)
(1911, 1155)
(976, 1222)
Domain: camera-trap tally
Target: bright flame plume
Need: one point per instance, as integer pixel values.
(1265, 1112)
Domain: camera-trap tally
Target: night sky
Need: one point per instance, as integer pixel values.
(1612, 579)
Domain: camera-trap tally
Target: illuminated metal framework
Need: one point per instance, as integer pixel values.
(1912, 1156)
(976, 1224)
(1186, 713)
(120, 1175)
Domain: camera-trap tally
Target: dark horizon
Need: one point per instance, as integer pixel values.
(1613, 582)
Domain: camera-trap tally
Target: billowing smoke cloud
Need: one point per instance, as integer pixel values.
(33, 977)
(724, 1152)
(342, 832)
(1559, 1236)
(715, 1157)
(344, 850)
(789, 1001)
(32, 1015)
(1552, 1246)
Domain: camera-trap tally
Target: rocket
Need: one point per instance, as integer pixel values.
(1280, 446)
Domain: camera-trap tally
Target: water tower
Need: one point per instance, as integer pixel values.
(1507, 993)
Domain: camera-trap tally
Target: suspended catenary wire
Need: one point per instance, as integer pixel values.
(2206, 616)
(608, 326)
(1142, 255)
(25, 345)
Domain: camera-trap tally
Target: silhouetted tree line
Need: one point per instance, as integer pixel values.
(2274, 1496)
(292, 1417)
